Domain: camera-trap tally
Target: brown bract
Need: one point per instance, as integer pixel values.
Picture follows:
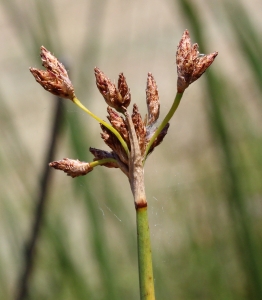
(72, 167)
(102, 154)
(190, 65)
(159, 139)
(55, 79)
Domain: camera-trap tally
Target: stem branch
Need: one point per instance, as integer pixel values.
(102, 162)
(108, 126)
(163, 124)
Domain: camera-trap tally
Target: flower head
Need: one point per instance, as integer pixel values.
(190, 64)
(55, 78)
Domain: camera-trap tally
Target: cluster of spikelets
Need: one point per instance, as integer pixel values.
(118, 134)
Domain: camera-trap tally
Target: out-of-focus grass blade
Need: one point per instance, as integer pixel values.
(70, 277)
(234, 193)
(33, 35)
(80, 145)
(25, 32)
(98, 239)
(30, 38)
(247, 36)
(47, 22)
(90, 51)
(15, 142)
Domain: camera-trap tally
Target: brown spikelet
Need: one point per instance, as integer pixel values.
(119, 98)
(190, 64)
(111, 140)
(72, 167)
(105, 87)
(118, 123)
(152, 100)
(123, 89)
(139, 128)
(55, 79)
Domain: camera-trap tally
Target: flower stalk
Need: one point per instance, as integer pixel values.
(108, 126)
(164, 122)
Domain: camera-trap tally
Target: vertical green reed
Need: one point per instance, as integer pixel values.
(235, 195)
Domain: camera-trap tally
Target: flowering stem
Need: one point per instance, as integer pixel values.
(108, 126)
(146, 279)
(165, 121)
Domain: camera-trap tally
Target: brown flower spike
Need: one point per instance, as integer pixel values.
(72, 167)
(55, 79)
(190, 64)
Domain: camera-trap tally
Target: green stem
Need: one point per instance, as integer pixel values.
(102, 162)
(108, 126)
(146, 279)
(163, 124)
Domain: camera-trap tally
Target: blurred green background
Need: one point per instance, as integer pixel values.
(203, 183)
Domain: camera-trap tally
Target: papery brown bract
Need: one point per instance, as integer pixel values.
(102, 154)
